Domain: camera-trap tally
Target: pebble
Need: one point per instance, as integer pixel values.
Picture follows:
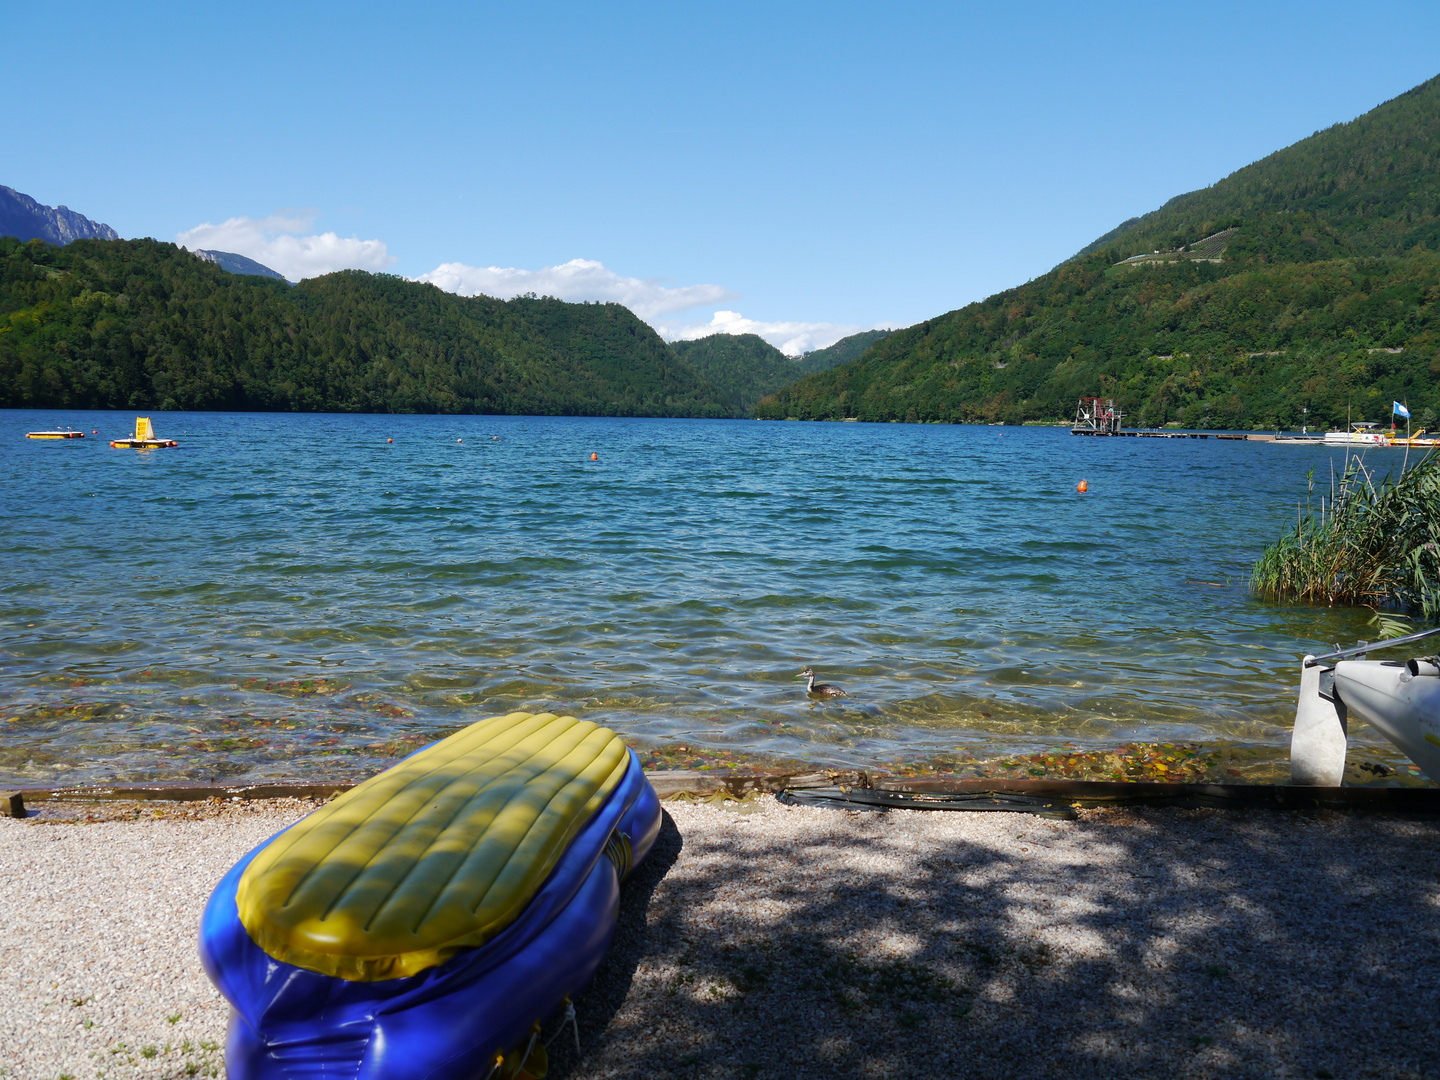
(98, 924)
(798, 942)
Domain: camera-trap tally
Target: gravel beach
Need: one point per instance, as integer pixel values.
(772, 941)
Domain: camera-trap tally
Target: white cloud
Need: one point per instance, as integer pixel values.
(285, 244)
(586, 279)
(791, 338)
(578, 279)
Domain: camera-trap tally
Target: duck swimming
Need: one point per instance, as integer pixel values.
(821, 690)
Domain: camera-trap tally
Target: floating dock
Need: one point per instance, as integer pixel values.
(144, 437)
(1266, 437)
(1101, 417)
(1190, 435)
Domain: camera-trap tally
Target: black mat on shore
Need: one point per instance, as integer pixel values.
(834, 798)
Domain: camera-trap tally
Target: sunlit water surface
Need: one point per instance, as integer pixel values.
(293, 596)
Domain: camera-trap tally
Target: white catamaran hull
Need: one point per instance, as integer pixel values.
(1400, 699)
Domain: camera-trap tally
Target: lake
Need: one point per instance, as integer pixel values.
(295, 596)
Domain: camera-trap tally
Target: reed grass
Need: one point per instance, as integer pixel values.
(1366, 543)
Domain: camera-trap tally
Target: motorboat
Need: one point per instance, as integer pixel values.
(1399, 698)
(1359, 435)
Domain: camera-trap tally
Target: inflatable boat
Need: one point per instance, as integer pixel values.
(1399, 698)
(426, 923)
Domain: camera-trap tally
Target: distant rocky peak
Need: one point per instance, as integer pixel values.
(237, 264)
(23, 217)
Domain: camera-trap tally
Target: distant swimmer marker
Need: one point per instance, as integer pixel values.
(459, 440)
(1083, 486)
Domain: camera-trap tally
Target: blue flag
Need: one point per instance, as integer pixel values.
(1401, 410)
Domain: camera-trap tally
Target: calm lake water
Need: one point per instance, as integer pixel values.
(292, 596)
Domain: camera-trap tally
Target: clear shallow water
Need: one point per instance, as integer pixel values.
(291, 596)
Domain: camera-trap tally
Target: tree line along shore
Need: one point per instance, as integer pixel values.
(1301, 289)
(144, 324)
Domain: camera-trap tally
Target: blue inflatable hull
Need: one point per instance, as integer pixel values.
(447, 1023)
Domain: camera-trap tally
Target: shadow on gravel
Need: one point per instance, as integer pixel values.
(1156, 943)
(596, 1008)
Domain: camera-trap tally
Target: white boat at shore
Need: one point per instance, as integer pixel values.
(1374, 435)
(1399, 698)
(1358, 435)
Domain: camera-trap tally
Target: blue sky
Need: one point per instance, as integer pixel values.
(803, 169)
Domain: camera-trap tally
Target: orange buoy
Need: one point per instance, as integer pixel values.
(1083, 486)
(594, 457)
(390, 440)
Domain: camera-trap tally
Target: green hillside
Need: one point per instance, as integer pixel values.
(842, 352)
(141, 324)
(1307, 280)
(746, 367)
(743, 367)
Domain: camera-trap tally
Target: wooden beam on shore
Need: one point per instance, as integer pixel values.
(1409, 801)
(694, 783)
(183, 792)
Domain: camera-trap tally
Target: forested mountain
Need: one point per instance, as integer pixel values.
(1308, 280)
(25, 219)
(746, 367)
(842, 352)
(743, 367)
(141, 324)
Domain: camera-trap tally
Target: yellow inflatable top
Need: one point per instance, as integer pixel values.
(436, 854)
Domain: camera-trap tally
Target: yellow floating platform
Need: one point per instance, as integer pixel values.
(55, 434)
(437, 854)
(144, 437)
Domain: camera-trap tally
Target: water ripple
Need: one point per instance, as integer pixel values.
(293, 596)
